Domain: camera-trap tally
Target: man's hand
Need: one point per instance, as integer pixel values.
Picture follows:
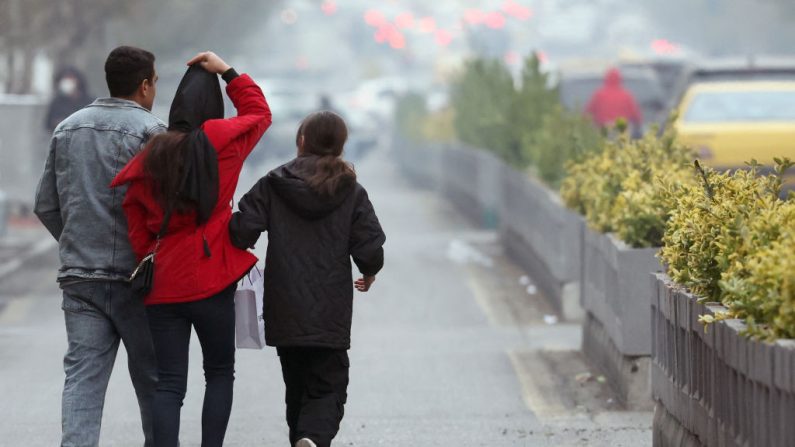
(363, 284)
(210, 62)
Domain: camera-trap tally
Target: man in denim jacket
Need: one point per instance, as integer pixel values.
(76, 204)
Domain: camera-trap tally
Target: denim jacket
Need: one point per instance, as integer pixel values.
(74, 200)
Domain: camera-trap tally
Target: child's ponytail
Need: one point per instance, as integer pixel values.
(324, 135)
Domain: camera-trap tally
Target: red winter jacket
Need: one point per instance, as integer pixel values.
(182, 270)
(612, 102)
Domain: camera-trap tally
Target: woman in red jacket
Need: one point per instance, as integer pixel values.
(187, 177)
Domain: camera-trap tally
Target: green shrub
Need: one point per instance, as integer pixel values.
(730, 239)
(411, 113)
(618, 189)
(482, 98)
(563, 136)
(535, 100)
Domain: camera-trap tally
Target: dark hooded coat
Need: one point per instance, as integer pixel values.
(311, 240)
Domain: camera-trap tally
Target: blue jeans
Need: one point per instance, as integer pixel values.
(98, 316)
(213, 319)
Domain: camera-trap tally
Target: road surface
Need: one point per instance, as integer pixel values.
(452, 347)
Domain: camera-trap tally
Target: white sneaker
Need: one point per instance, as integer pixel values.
(305, 442)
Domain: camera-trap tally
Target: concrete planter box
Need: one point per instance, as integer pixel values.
(615, 290)
(716, 387)
(419, 162)
(616, 298)
(470, 179)
(545, 237)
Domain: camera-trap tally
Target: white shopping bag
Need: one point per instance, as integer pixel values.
(249, 323)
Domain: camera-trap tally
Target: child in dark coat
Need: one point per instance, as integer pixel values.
(317, 217)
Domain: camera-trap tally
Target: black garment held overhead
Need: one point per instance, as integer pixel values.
(198, 99)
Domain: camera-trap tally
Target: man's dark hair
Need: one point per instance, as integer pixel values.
(125, 69)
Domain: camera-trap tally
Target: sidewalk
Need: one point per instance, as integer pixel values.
(449, 349)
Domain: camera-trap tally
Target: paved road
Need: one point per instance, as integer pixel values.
(449, 349)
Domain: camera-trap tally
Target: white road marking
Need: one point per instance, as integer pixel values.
(481, 295)
(534, 380)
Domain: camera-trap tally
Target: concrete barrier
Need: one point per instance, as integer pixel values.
(3, 213)
(545, 238)
(471, 180)
(536, 229)
(615, 295)
(716, 387)
(23, 146)
(615, 290)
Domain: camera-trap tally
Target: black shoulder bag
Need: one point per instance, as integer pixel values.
(143, 276)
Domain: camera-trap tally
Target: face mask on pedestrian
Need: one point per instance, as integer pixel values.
(67, 86)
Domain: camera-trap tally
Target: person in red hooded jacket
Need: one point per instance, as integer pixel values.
(612, 102)
(187, 177)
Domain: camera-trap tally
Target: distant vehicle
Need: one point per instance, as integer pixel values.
(376, 97)
(577, 87)
(763, 68)
(730, 122)
(670, 73)
(290, 102)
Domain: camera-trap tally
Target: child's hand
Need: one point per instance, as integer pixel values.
(363, 284)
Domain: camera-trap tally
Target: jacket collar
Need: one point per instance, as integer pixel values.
(116, 102)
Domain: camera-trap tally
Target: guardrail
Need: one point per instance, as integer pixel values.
(716, 387)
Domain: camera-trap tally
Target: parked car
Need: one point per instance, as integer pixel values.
(731, 121)
(670, 73)
(734, 69)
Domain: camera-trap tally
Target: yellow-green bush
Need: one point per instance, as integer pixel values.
(438, 126)
(618, 189)
(730, 239)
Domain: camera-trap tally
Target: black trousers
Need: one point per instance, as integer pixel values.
(317, 389)
(214, 321)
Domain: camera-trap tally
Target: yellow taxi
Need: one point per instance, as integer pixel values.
(728, 123)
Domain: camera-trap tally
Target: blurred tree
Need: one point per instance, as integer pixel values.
(482, 97)
(75, 31)
(535, 99)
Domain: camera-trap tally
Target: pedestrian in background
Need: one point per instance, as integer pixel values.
(612, 102)
(71, 95)
(317, 217)
(183, 183)
(75, 204)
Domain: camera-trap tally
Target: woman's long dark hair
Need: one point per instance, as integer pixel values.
(164, 163)
(324, 135)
